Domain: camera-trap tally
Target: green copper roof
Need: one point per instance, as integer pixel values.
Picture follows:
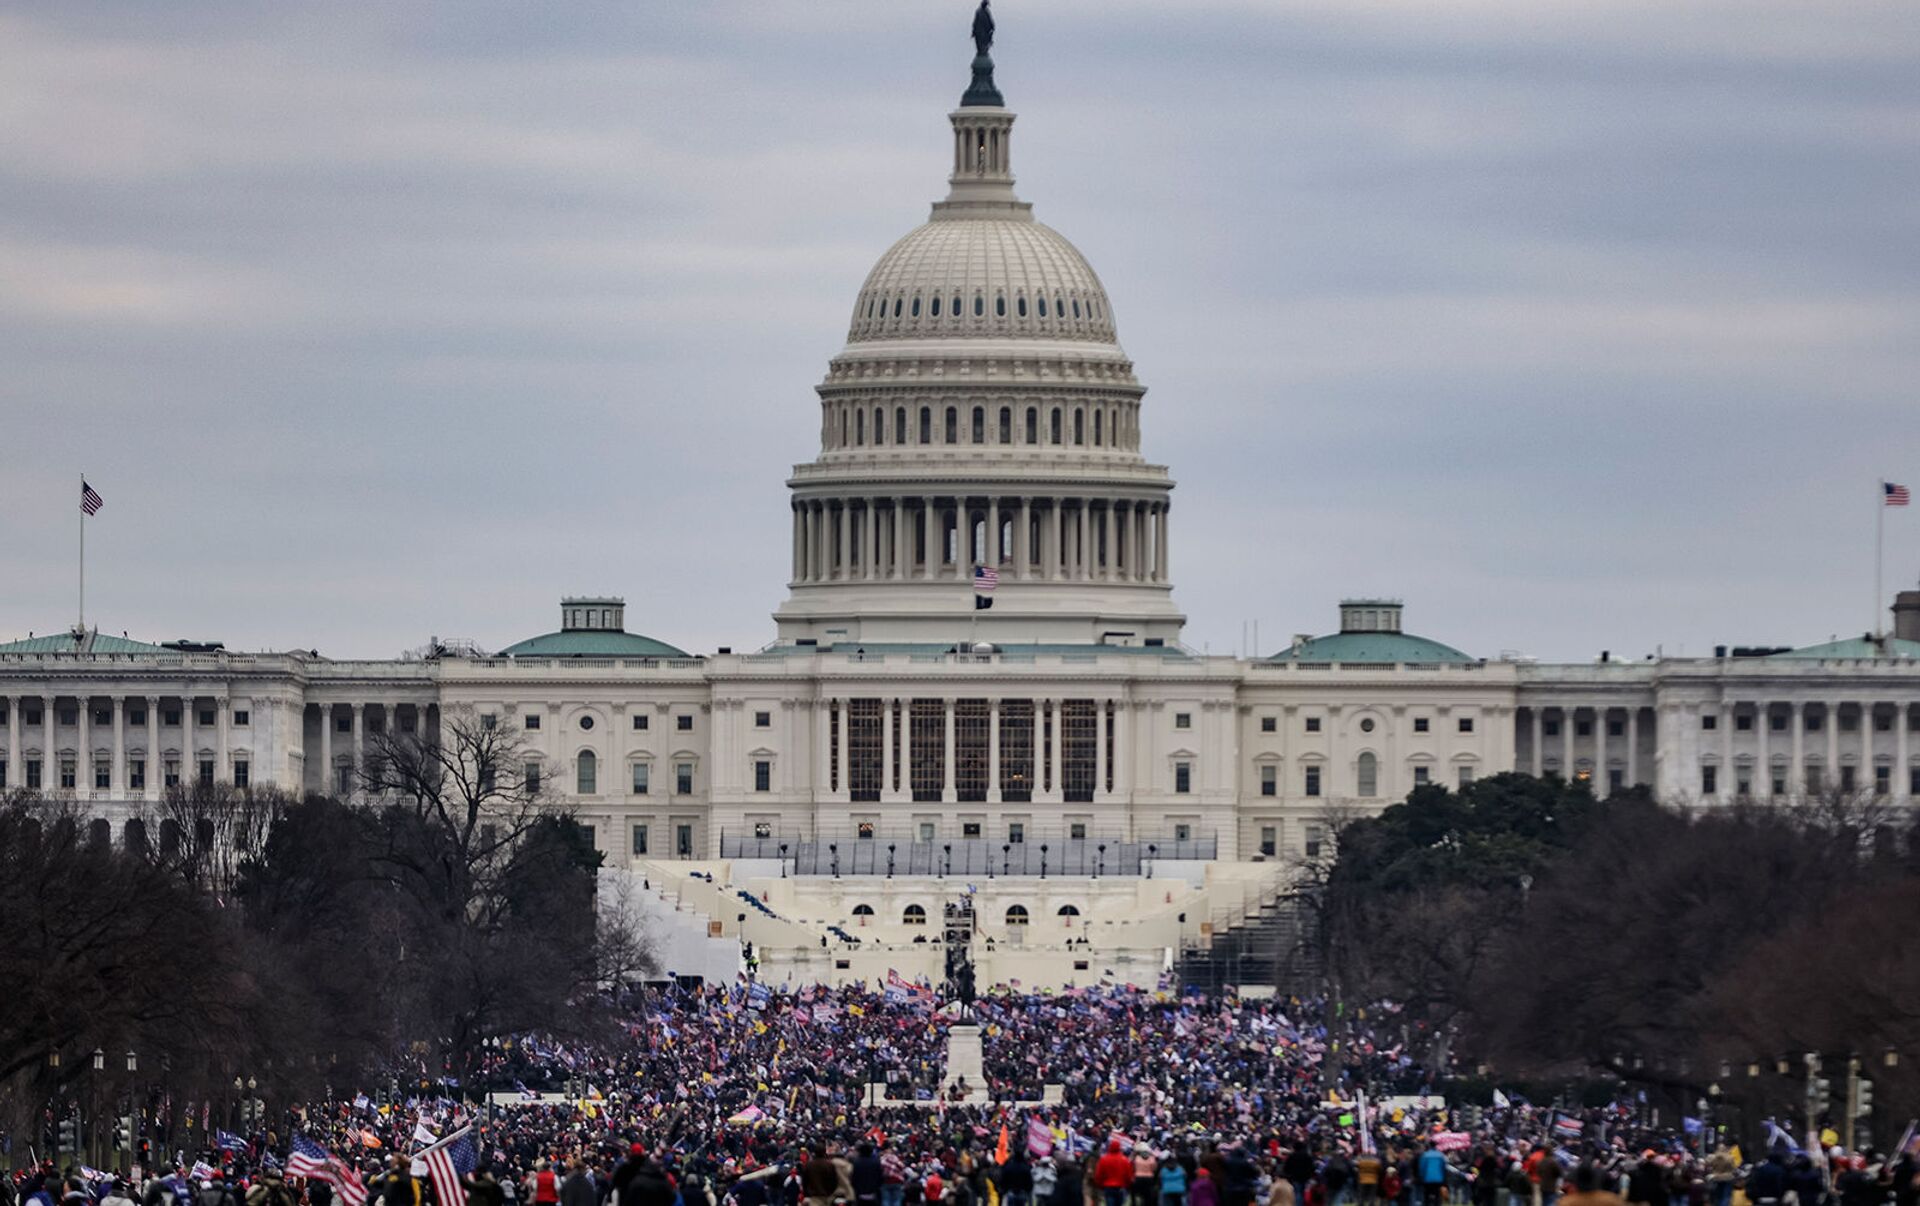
(92, 642)
(1377, 648)
(586, 642)
(1857, 647)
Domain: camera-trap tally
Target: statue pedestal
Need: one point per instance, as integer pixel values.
(966, 1061)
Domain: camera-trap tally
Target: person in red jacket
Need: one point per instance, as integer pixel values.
(1113, 1175)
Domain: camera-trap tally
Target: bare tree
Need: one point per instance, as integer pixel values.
(217, 827)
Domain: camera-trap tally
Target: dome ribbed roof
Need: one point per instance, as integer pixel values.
(1009, 276)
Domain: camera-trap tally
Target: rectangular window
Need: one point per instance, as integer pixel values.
(926, 831)
(763, 829)
(206, 717)
(1183, 833)
(1269, 724)
(1779, 783)
(241, 772)
(1882, 780)
(1313, 781)
(639, 724)
(1079, 725)
(137, 717)
(1466, 776)
(1616, 728)
(1422, 776)
(639, 778)
(1420, 724)
(1466, 724)
(1777, 724)
(1709, 721)
(1077, 831)
(683, 840)
(1269, 780)
(1016, 750)
(683, 724)
(929, 743)
(1182, 778)
(169, 772)
(1882, 723)
(865, 729)
(1313, 724)
(586, 775)
(1269, 840)
(1316, 837)
(683, 778)
(1913, 781)
(137, 774)
(530, 776)
(762, 775)
(168, 716)
(3, 772)
(969, 829)
(102, 774)
(206, 772)
(1183, 720)
(531, 722)
(763, 720)
(1709, 780)
(970, 750)
(240, 717)
(66, 774)
(1813, 780)
(1616, 779)
(1549, 728)
(1847, 778)
(1813, 722)
(33, 773)
(1583, 728)
(639, 839)
(1016, 833)
(69, 716)
(592, 836)
(1743, 723)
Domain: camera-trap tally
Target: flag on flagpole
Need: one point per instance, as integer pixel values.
(1501, 1101)
(1895, 494)
(447, 1161)
(91, 501)
(1039, 1137)
(985, 578)
(314, 1162)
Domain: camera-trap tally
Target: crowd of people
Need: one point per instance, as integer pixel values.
(741, 1096)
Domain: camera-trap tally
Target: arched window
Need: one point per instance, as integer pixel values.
(896, 307)
(1059, 308)
(100, 832)
(584, 774)
(1096, 428)
(956, 306)
(1367, 771)
(979, 305)
(1033, 425)
(953, 425)
(926, 425)
(979, 425)
(1017, 915)
(913, 915)
(863, 910)
(1000, 306)
(1006, 425)
(170, 837)
(1056, 425)
(916, 307)
(869, 307)
(134, 836)
(899, 424)
(936, 307)
(879, 425)
(843, 429)
(1079, 426)
(1020, 305)
(1076, 307)
(1043, 307)
(860, 428)
(1069, 911)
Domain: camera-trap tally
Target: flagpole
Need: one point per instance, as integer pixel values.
(1879, 549)
(83, 557)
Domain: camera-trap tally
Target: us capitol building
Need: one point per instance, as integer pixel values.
(981, 414)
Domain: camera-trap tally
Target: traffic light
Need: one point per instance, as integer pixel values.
(1819, 1096)
(123, 1133)
(1863, 1099)
(70, 1134)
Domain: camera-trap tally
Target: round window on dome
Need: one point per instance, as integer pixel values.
(979, 305)
(1020, 307)
(916, 307)
(1000, 307)
(1043, 307)
(896, 307)
(1059, 307)
(1366, 726)
(586, 722)
(1076, 307)
(936, 307)
(956, 306)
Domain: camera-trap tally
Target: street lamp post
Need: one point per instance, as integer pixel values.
(93, 1097)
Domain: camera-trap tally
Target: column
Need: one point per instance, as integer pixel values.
(1122, 760)
(1728, 780)
(799, 542)
(906, 749)
(15, 776)
(886, 749)
(223, 717)
(1797, 773)
(83, 768)
(117, 770)
(153, 748)
(822, 750)
(843, 556)
(844, 744)
(1162, 569)
(1054, 746)
(926, 525)
(1083, 554)
(1866, 747)
(900, 567)
(1602, 779)
(1632, 778)
(1902, 770)
(1830, 780)
(993, 751)
(962, 538)
(1762, 760)
(49, 764)
(1039, 752)
(1566, 742)
(189, 757)
(993, 557)
(947, 793)
(1022, 541)
(1100, 745)
(1056, 558)
(1539, 730)
(359, 735)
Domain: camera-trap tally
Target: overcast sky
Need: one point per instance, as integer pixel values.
(1579, 324)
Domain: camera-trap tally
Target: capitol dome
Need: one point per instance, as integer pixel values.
(971, 275)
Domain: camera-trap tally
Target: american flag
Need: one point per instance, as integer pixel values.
(447, 1161)
(309, 1159)
(1896, 494)
(985, 578)
(89, 501)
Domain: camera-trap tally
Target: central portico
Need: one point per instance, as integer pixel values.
(982, 414)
